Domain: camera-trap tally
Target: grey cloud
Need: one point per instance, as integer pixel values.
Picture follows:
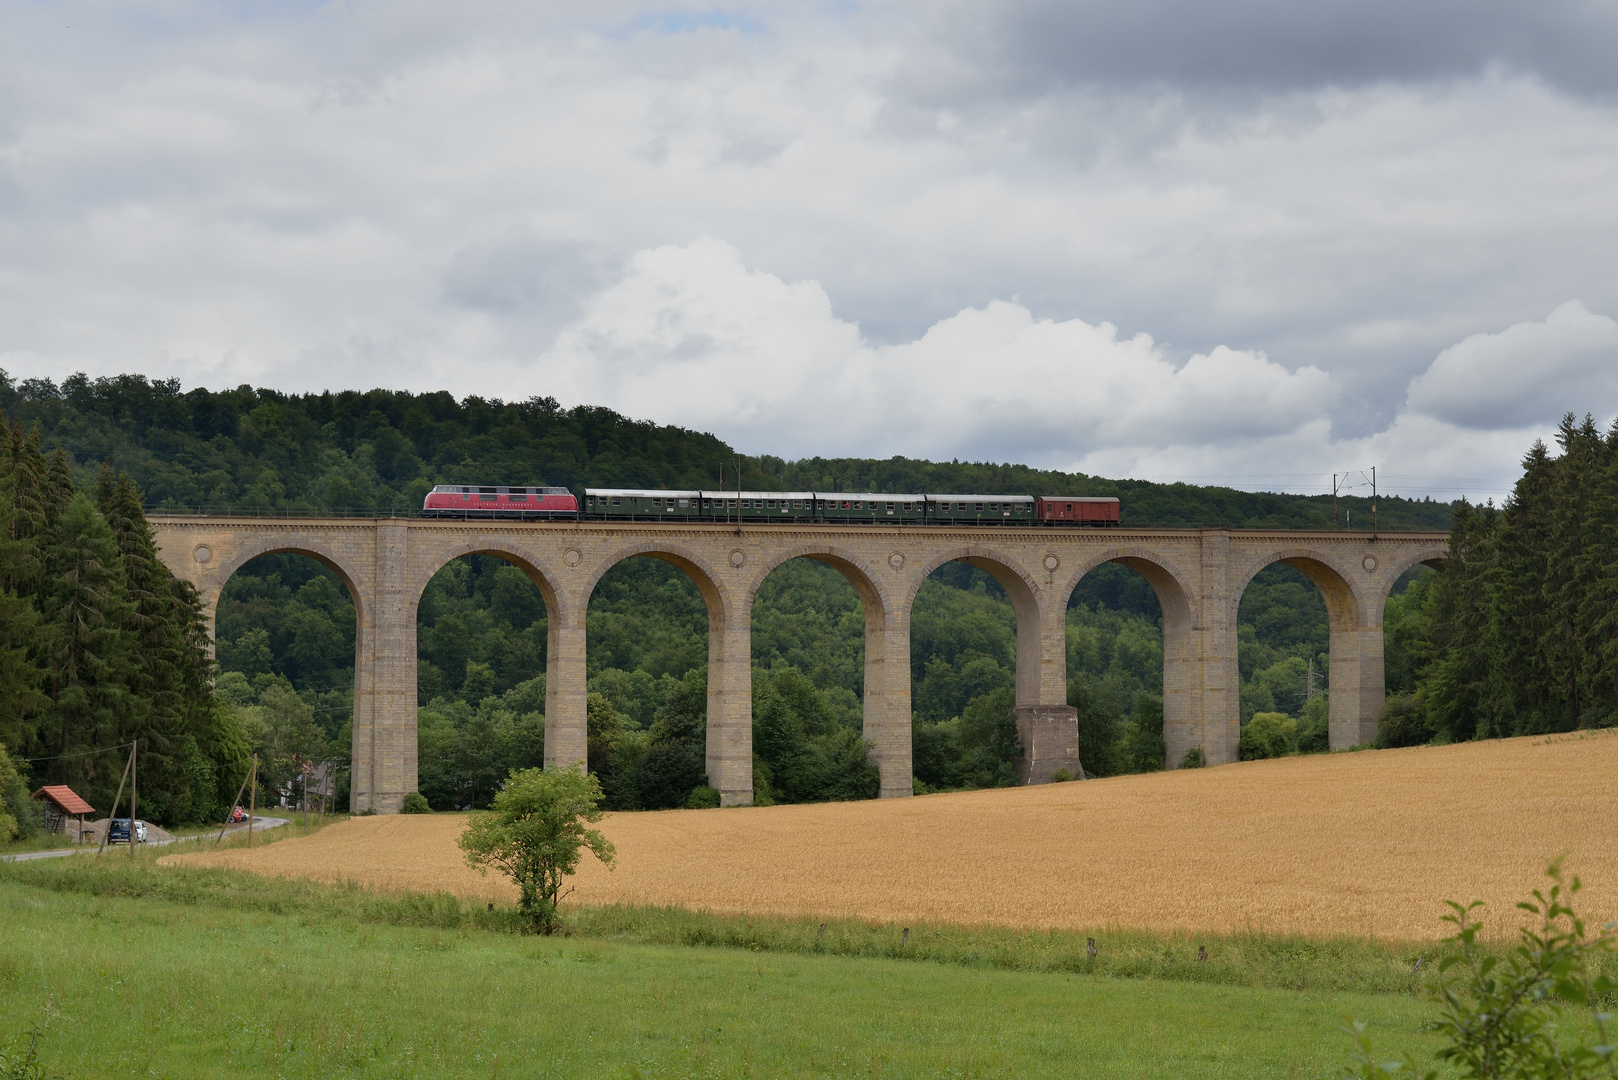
(1529, 373)
(1273, 46)
(527, 278)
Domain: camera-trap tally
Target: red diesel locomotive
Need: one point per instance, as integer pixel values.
(519, 503)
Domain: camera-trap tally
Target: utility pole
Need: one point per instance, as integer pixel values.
(1334, 500)
(115, 800)
(1373, 502)
(134, 789)
(252, 805)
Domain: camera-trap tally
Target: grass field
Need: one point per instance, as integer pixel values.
(142, 987)
(1366, 845)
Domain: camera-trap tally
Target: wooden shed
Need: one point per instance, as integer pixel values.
(60, 804)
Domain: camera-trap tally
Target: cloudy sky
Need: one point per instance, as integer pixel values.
(1250, 242)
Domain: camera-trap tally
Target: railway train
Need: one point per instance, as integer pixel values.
(750, 507)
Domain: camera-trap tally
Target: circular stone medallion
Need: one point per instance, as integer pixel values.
(737, 557)
(572, 557)
(896, 560)
(1369, 562)
(1052, 562)
(203, 553)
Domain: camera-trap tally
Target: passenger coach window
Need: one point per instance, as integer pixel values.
(617, 502)
(519, 498)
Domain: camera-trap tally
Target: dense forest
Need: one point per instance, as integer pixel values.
(100, 646)
(286, 625)
(1519, 634)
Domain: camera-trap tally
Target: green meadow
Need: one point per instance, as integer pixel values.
(147, 971)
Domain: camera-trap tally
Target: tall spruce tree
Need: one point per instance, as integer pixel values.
(90, 662)
(168, 674)
(21, 674)
(1458, 692)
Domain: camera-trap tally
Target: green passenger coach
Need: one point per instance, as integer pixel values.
(832, 508)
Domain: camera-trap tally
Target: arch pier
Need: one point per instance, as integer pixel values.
(1198, 575)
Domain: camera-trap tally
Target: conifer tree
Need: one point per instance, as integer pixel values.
(21, 675)
(90, 664)
(1457, 693)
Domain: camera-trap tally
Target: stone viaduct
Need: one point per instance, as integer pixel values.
(1198, 574)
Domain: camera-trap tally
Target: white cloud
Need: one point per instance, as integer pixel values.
(692, 336)
(1530, 373)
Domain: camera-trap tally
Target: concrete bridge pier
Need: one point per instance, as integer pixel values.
(566, 729)
(729, 757)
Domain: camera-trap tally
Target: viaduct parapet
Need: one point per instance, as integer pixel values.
(1198, 574)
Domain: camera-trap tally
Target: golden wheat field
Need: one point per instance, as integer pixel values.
(1365, 844)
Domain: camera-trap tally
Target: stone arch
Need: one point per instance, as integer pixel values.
(1184, 723)
(564, 740)
(1354, 616)
(368, 790)
(702, 574)
(1347, 598)
(886, 706)
(1024, 592)
(1396, 566)
(324, 554)
(729, 751)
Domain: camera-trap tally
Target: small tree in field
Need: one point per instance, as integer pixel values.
(534, 832)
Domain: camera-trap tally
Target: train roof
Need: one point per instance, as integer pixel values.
(533, 489)
(868, 496)
(1080, 498)
(946, 497)
(732, 494)
(648, 493)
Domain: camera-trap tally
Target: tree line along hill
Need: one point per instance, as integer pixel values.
(286, 625)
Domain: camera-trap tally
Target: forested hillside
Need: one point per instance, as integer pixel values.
(286, 625)
(1519, 634)
(380, 451)
(100, 646)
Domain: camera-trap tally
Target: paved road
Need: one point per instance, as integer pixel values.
(259, 823)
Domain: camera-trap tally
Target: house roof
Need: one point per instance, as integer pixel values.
(63, 796)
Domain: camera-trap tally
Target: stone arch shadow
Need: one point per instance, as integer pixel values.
(1184, 724)
(1022, 590)
(728, 754)
(1355, 677)
(885, 707)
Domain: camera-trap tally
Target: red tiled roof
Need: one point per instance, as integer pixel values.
(63, 796)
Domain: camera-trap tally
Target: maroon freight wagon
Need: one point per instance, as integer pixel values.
(1075, 510)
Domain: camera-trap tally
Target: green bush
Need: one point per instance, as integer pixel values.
(703, 797)
(1403, 722)
(1194, 758)
(1504, 1018)
(1268, 735)
(1314, 727)
(416, 803)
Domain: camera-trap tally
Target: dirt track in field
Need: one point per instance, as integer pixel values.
(1367, 844)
